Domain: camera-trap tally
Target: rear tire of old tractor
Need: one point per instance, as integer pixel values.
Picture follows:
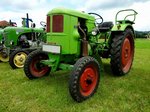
(84, 78)
(122, 52)
(33, 68)
(17, 58)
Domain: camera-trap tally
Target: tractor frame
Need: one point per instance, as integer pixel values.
(77, 42)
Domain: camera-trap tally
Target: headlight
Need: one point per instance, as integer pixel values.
(11, 42)
(94, 33)
(2, 42)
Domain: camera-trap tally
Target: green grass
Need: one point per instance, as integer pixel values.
(130, 93)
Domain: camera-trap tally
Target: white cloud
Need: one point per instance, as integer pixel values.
(37, 9)
(143, 18)
(14, 10)
(109, 4)
(108, 9)
(21, 4)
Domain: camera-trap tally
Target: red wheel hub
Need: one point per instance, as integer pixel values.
(88, 80)
(127, 53)
(38, 69)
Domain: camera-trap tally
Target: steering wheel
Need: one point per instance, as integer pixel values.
(43, 24)
(96, 19)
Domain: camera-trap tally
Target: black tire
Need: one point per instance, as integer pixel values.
(17, 58)
(122, 52)
(81, 75)
(33, 68)
(4, 56)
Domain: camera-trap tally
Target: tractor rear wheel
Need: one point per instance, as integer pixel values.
(122, 52)
(84, 78)
(33, 68)
(17, 58)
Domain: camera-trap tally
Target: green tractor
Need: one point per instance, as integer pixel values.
(77, 41)
(18, 42)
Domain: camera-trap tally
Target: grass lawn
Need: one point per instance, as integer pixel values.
(130, 93)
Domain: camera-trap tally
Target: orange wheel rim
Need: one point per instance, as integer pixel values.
(37, 68)
(88, 80)
(127, 53)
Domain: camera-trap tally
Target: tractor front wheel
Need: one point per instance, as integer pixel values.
(84, 79)
(122, 52)
(33, 68)
(4, 57)
(17, 58)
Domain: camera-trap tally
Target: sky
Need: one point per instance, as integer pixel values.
(14, 10)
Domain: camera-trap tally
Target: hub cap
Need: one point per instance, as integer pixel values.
(88, 80)
(19, 59)
(4, 58)
(127, 54)
(37, 68)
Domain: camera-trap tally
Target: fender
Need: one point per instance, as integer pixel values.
(121, 27)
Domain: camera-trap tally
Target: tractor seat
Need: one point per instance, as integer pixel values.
(125, 21)
(106, 26)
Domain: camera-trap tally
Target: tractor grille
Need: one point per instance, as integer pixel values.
(57, 23)
(48, 24)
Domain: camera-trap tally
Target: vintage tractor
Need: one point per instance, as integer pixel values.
(18, 42)
(76, 41)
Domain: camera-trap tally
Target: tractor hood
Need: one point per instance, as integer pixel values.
(13, 33)
(23, 29)
(71, 12)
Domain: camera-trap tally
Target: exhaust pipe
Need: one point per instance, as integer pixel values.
(84, 43)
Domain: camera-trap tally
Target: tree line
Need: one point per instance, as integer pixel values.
(142, 34)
